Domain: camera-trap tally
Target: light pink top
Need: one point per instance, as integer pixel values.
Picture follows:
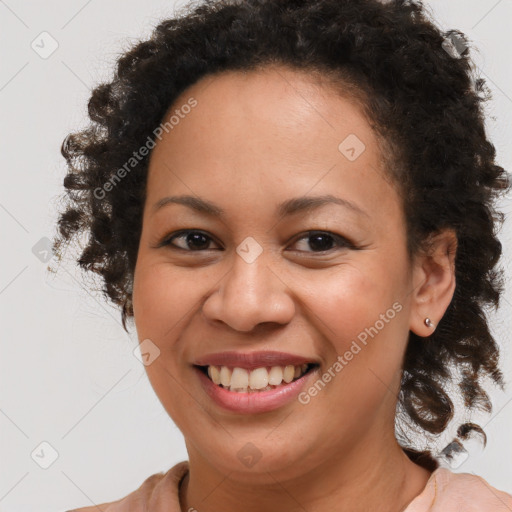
(452, 492)
(445, 492)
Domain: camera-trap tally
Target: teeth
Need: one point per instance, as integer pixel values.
(258, 379)
(275, 375)
(240, 379)
(225, 376)
(289, 372)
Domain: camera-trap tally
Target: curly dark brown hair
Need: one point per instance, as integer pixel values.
(423, 101)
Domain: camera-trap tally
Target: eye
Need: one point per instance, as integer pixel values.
(195, 240)
(323, 241)
(191, 237)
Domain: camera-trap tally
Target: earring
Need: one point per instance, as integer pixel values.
(429, 323)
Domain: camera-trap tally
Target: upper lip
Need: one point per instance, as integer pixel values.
(252, 360)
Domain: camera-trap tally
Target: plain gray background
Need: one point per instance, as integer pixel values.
(68, 376)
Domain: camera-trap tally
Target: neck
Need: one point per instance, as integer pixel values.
(361, 479)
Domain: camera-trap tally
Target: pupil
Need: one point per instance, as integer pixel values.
(321, 246)
(197, 237)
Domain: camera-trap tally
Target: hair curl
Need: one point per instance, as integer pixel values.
(423, 102)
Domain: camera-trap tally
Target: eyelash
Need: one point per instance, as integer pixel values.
(342, 242)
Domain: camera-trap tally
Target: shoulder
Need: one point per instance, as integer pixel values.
(158, 490)
(447, 491)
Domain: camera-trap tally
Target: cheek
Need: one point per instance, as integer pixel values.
(361, 318)
(363, 355)
(349, 299)
(162, 296)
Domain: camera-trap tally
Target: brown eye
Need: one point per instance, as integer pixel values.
(193, 240)
(321, 241)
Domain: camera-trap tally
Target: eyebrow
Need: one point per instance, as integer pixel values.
(286, 208)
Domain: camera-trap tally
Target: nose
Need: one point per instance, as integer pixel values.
(250, 294)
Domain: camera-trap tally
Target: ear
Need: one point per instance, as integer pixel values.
(433, 281)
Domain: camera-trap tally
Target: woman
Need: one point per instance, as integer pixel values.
(293, 201)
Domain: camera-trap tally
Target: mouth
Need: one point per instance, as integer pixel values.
(242, 380)
(258, 390)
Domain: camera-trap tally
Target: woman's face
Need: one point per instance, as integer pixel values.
(255, 281)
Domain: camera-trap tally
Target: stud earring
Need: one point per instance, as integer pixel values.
(429, 323)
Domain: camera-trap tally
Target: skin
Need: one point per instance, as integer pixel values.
(254, 140)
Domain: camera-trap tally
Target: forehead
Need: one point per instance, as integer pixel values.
(274, 133)
(273, 101)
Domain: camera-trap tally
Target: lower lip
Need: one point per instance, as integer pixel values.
(250, 403)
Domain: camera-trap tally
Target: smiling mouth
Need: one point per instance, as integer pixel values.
(261, 379)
